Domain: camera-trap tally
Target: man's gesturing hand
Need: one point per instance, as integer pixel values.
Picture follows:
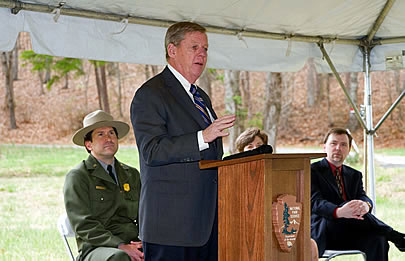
(218, 128)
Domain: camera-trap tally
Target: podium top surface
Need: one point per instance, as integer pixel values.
(206, 164)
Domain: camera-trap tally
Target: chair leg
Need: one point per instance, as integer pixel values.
(68, 248)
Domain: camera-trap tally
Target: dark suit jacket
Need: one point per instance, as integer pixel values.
(325, 197)
(178, 200)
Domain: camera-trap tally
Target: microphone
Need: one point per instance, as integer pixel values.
(264, 149)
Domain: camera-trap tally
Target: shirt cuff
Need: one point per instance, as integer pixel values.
(334, 213)
(201, 144)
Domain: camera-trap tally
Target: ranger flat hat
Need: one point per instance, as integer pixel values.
(98, 119)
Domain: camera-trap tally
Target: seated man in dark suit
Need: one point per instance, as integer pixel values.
(341, 216)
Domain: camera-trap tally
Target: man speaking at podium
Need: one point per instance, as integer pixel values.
(175, 127)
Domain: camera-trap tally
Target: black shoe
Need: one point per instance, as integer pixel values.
(398, 239)
(401, 245)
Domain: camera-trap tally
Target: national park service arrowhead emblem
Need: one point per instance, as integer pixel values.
(286, 220)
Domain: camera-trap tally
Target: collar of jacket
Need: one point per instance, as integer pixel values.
(94, 168)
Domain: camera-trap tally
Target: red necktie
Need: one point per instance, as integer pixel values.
(339, 182)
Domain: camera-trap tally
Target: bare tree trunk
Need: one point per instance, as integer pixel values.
(397, 83)
(7, 64)
(287, 99)
(204, 82)
(86, 85)
(312, 84)
(330, 118)
(272, 108)
(15, 59)
(47, 71)
(106, 104)
(325, 81)
(44, 77)
(98, 84)
(232, 96)
(147, 72)
(66, 86)
(41, 83)
(102, 88)
(353, 123)
(154, 69)
(346, 77)
(150, 71)
(245, 86)
(119, 103)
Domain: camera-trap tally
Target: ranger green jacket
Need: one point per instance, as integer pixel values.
(102, 214)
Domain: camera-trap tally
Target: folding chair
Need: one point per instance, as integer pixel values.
(329, 254)
(65, 230)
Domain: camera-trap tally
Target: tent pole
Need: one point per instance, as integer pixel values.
(369, 134)
(368, 127)
(17, 6)
(380, 20)
(389, 110)
(342, 85)
(366, 181)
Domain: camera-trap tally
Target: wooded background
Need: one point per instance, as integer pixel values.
(46, 98)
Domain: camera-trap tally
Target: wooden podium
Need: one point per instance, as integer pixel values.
(247, 188)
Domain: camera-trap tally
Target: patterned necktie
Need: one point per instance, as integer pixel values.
(339, 182)
(200, 104)
(109, 168)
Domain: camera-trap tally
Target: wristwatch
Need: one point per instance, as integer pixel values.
(369, 205)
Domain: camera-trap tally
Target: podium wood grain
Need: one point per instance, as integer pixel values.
(247, 188)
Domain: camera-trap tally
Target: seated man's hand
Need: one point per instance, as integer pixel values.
(132, 249)
(353, 209)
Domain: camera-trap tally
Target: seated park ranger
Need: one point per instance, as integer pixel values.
(101, 194)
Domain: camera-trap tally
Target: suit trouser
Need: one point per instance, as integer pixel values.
(107, 253)
(207, 252)
(368, 235)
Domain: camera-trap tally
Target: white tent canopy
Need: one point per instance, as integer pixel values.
(300, 23)
(253, 35)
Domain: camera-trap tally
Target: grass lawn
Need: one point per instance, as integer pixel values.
(31, 182)
(392, 152)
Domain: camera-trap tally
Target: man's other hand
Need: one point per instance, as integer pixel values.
(133, 250)
(353, 209)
